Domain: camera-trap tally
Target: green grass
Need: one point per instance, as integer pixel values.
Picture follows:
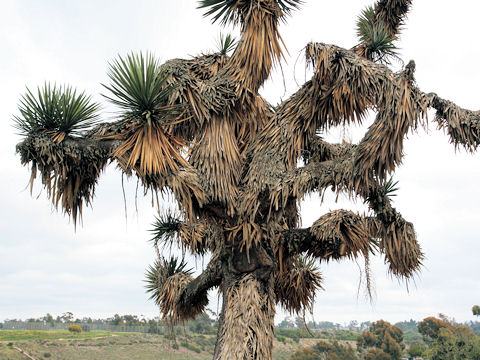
(17, 335)
(97, 345)
(101, 345)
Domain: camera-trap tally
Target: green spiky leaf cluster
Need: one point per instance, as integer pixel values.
(225, 10)
(139, 87)
(226, 43)
(303, 262)
(373, 34)
(160, 271)
(390, 187)
(56, 109)
(165, 227)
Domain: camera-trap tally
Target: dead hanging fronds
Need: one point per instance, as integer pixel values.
(170, 229)
(246, 235)
(186, 184)
(297, 285)
(247, 331)
(139, 88)
(392, 13)
(148, 149)
(341, 233)
(400, 246)
(400, 111)
(342, 86)
(158, 273)
(69, 169)
(170, 296)
(197, 238)
(217, 155)
(260, 46)
(195, 86)
(463, 126)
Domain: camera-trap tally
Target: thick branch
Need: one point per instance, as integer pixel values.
(259, 47)
(335, 235)
(463, 126)
(196, 290)
(392, 13)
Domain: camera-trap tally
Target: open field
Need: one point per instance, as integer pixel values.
(100, 345)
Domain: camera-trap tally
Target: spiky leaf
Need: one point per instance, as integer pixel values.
(390, 187)
(227, 10)
(138, 87)
(158, 273)
(374, 36)
(165, 227)
(59, 110)
(226, 43)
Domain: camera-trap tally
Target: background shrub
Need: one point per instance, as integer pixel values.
(75, 329)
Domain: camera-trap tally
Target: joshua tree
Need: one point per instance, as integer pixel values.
(238, 167)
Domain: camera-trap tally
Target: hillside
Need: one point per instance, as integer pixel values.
(61, 345)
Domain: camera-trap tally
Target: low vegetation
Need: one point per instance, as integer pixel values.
(433, 339)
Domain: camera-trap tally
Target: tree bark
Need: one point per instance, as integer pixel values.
(246, 322)
(246, 326)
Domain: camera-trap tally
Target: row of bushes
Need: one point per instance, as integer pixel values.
(296, 334)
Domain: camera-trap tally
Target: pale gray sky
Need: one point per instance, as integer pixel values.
(98, 270)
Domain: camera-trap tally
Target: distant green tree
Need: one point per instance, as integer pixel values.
(300, 322)
(326, 351)
(447, 341)
(376, 354)
(286, 323)
(416, 349)
(430, 328)
(67, 317)
(307, 353)
(202, 324)
(48, 319)
(384, 337)
(476, 310)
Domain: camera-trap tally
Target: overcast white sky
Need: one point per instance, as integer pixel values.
(45, 266)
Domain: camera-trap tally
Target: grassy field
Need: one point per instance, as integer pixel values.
(100, 345)
(16, 335)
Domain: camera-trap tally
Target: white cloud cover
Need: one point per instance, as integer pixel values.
(45, 266)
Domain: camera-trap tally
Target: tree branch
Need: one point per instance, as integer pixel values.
(335, 235)
(196, 290)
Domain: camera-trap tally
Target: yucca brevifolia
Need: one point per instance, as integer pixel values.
(199, 129)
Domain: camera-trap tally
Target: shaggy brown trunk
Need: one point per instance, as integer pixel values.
(247, 318)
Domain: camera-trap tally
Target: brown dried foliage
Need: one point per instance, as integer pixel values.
(400, 246)
(346, 231)
(149, 150)
(296, 285)
(68, 172)
(169, 304)
(463, 126)
(260, 45)
(392, 13)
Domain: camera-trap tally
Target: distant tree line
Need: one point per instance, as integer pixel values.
(203, 324)
(435, 339)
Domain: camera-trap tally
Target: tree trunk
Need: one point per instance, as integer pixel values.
(247, 319)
